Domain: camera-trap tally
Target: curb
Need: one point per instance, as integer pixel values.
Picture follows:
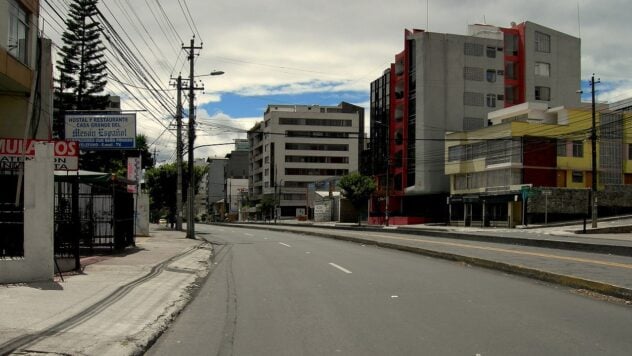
(563, 280)
(618, 250)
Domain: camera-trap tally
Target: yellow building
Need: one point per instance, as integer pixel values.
(531, 150)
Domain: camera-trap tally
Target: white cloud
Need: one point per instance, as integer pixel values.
(304, 46)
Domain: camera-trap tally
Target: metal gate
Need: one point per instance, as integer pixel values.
(90, 216)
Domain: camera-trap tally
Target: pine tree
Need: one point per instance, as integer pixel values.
(82, 67)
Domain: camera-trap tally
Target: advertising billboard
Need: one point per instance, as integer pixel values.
(12, 150)
(102, 131)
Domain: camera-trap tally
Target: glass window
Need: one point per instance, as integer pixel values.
(491, 100)
(511, 70)
(543, 93)
(491, 75)
(473, 123)
(455, 153)
(578, 176)
(561, 148)
(491, 52)
(18, 31)
(542, 69)
(542, 42)
(578, 149)
(473, 99)
(511, 44)
(473, 49)
(473, 73)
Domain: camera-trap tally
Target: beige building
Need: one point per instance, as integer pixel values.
(296, 145)
(25, 72)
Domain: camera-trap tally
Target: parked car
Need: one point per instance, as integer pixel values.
(162, 222)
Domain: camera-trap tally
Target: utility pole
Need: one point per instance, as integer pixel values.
(179, 154)
(593, 142)
(191, 191)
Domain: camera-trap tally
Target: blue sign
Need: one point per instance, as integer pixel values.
(106, 131)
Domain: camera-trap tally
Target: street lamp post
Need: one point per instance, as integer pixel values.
(191, 190)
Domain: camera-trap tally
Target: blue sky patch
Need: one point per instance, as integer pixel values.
(240, 106)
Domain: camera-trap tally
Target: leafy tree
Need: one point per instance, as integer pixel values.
(268, 203)
(357, 188)
(161, 183)
(82, 66)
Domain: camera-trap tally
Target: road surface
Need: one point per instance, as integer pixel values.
(272, 293)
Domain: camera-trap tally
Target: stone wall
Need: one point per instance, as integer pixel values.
(577, 201)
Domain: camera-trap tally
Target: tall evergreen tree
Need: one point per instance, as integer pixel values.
(82, 66)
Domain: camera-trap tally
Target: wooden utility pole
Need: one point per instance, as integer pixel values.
(593, 143)
(179, 154)
(191, 132)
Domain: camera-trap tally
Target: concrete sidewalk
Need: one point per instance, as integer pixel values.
(118, 305)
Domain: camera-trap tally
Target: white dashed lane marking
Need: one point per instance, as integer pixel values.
(286, 245)
(340, 268)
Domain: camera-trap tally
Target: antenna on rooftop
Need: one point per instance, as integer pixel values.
(579, 24)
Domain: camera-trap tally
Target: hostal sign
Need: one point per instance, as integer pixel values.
(107, 131)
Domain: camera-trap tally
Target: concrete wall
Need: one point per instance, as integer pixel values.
(565, 61)
(38, 263)
(141, 203)
(575, 201)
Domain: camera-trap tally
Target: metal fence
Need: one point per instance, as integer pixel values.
(92, 215)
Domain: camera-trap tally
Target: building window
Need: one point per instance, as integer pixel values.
(543, 93)
(542, 42)
(511, 94)
(473, 73)
(542, 69)
(18, 31)
(578, 149)
(630, 152)
(578, 177)
(455, 153)
(491, 100)
(491, 75)
(561, 148)
(473, 99)
(511, 70)
(491, 52)
(511, 44)
(473, 49)
(473, 123)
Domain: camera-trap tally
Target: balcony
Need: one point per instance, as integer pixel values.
(14, 75)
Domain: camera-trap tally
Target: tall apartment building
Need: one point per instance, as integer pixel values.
(296, 145)
(446, 82)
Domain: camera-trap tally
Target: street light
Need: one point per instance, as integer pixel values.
(191, 190)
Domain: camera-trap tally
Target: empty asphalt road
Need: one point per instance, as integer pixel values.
(273, 293)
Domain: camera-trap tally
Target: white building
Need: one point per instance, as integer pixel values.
(300, 144)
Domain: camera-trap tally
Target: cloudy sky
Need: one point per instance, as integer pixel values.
(314, 52)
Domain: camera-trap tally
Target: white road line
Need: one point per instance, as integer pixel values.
(286, 245)
(247, 234)
(340, 268)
